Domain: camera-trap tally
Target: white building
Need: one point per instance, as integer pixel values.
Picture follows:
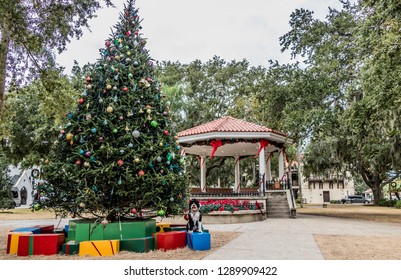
(23, 184)
(322, 189)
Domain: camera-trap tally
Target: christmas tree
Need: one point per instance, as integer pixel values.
(118, 155)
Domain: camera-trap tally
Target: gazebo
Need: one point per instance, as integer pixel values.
(231, 137)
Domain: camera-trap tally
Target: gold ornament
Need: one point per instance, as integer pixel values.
(136, 160)
(69, 136)
(109, 109)
(108, 86)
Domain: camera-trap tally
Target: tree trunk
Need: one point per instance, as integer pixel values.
(377, 193)
(4, 45)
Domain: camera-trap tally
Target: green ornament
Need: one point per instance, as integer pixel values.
(36, 207)
(161, 213)
(153, 123)
(115, 130)
(130, 75)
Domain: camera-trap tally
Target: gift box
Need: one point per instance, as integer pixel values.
(40, 244)
(84, 230)
(34, 230)
(99, 248)
(13, 241)
(70, 247)
(45, 228)
(170, 240)
(162, 227)
(198, 241)
(140, 245)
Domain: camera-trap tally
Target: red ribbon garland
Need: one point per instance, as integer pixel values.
(215, 144)
(263, 144)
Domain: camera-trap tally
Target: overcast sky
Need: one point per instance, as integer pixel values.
(185, 30)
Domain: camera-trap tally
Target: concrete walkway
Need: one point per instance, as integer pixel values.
(291, 239)
(272, 239)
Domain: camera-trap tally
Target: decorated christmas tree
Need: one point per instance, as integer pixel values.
(117, 155)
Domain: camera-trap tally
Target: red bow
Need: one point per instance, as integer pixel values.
(215, 144)
(263, 144)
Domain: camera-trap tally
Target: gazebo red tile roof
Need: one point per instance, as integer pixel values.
(227, 124)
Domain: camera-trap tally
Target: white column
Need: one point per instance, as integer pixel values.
(281, 164)
(203, 173)
(237, 183)
(261, 169)
(268, 168)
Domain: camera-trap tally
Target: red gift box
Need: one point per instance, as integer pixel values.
(45, 228)
(170, 240)
(40, 244)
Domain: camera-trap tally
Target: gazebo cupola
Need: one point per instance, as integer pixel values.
(231, 137)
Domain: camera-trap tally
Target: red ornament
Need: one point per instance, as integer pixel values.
(81, 100)
(88, 79)
(128, 33)
(62, 131)
(134, 211)
(120, 162)
(107, 43)
(125, 89)
(141, 172)
(136, 31)
(166, 132)
(78, 162)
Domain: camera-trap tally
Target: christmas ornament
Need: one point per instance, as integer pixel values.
(81, 101)
(104, 222)
(107, 43)
(136, 160)
(89, 86)
(88, 79)
(81, 152)
(115, 130)
(120, 162)
(101, 138)
(165, 132)
(78, 162)
(153, 123)
(82, 205)
(130, 145)
(109, 109)
(88, 154)
(133, 211)
(87, 165)
(136, 133)
(141, 172)
(108, 86)
(172, 199)
(69, 136)
(93, 130)
(121, 118)
(159, 159)
(161, 213)
(125, 89)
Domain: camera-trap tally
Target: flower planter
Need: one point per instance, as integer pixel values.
(237, 217)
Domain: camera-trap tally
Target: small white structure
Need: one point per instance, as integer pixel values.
(24, 184)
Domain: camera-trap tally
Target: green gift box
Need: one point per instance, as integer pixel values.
(84, 230)
(140, 245)
(70, 247)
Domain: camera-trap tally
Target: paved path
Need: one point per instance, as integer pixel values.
(272, 239)
(291, 239)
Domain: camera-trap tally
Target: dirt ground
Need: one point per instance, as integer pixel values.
(357, 247)
(333, 247)
(218, 239)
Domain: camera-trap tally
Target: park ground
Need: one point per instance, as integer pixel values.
(333, 247)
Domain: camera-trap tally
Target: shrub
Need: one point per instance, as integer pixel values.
(398, 204)
(382, 202)
(386, 203)
(335, 202)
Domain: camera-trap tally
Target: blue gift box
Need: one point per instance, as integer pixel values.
(31, 229)
(198, 241)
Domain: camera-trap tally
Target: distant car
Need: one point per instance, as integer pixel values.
(354, 199)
